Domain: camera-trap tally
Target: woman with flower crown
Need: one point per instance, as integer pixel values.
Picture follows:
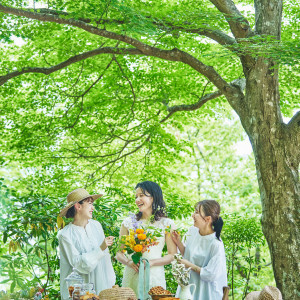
(149, 200)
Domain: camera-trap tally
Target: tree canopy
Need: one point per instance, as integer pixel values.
(105, 93)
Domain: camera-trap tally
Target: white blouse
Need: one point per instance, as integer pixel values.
(208, 253)
(80, 248)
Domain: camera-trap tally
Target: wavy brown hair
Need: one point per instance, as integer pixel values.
(152, 189)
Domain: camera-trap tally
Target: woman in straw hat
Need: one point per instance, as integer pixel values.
(83, 245)
(204, 252)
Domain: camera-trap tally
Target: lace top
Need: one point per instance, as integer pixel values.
(131, 222)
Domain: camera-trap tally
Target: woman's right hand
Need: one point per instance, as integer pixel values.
(133, 266)
(176, 237)
(107, 242)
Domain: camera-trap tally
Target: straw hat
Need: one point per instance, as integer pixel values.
(76, 196)
(268, 293)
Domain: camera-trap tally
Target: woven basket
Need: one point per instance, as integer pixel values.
(117, 293)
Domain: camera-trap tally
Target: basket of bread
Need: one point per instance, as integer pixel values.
(158, 292)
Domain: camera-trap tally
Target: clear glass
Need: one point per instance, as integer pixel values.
(77, 292)
(73, 279)
(88, 288)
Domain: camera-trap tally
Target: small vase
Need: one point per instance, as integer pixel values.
(185, 292)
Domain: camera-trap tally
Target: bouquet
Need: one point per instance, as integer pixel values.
(181, 274)
(137, 242)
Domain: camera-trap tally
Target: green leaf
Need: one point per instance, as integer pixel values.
(4, 237)
(12, 286)
(136, 257)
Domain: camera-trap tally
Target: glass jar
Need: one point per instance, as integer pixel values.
(88, 288)
(73, 279)
(77, 292)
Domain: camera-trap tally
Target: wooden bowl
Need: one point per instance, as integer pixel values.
(157, 297)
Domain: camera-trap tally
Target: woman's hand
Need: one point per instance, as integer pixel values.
(133, 266)
(185, 262)
(108, 241)
(176, 237)
(188, 264)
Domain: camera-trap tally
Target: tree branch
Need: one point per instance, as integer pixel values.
(238, 83)
(216, 35)
(239, 25)
(171, 55)
(70, 61)
(112, 162)
(190, 107)
(294, 123)
(293, 138)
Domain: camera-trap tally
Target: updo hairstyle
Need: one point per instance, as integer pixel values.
(212, 208)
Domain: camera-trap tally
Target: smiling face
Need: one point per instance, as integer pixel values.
(86, 209)
(143, 201)
(200, 220)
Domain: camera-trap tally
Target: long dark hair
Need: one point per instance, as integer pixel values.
(212, 208)
(158, 206)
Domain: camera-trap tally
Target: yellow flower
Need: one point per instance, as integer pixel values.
(141, 236)
(138, 248)
(139, 231)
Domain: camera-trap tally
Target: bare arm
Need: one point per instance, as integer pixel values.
(188, 264)
(172, 249)
(177, 240)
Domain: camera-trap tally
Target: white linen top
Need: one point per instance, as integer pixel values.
(80, 248)
(208, 253)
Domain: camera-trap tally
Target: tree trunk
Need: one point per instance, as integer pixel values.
(276, 155)
(275, 150)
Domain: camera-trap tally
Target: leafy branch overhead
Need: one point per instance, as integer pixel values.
(140, 48)
(87, 84)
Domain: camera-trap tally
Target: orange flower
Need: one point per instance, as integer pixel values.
(138, 231)
(141, 236)
(138, 248)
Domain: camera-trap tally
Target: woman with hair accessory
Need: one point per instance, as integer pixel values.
(204, 252)
(151, 205)
(83, 245)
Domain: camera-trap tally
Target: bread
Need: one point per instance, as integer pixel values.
(89, 296)
(158, 290)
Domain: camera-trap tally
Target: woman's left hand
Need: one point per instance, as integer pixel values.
(150, 264)
(185, 262)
